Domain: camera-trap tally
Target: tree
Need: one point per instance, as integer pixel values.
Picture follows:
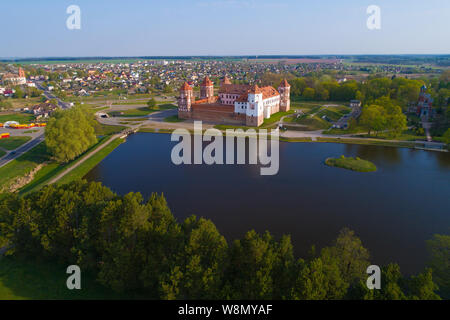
(69, 133)
(373, 118)
(309, 93)
(439, 250)
(446, 137)
(151, 103)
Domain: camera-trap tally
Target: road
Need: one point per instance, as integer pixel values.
(35, 139)
(21, 150)
(50, 96)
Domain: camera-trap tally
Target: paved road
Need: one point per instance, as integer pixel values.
(21, 150)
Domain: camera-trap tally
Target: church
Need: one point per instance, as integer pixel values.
(236, 104)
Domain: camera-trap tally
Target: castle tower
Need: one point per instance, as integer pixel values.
(254, 113)
(207, 89)
(285, 95)
(21, 73)
(226, 80)
(185, 101)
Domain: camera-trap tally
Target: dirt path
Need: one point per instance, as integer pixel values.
(86, 157)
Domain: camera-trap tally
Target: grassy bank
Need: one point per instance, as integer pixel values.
(2, 153)
(382, 143)
(12, 143)
(23, 165)
(52, 169)
(355, 164)
(105, 129)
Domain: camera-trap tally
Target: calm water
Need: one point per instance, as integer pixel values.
(394, 210)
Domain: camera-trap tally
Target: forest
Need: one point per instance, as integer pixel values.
(136, 245)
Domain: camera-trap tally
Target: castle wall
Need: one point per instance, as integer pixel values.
(214, 113)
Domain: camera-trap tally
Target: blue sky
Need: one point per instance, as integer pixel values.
(222, 27)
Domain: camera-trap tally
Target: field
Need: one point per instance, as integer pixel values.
(19, 117)
(355, 164)
(2, 153)
(138, 112)
(105, 129)
(12, 143)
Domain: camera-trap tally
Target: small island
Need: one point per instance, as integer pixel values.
(355, 164)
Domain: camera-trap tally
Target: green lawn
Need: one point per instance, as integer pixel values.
(19, 117)
(2, 153)
(355, 164)
(333, 113)
(173, 118)
(12, 143)
(139, 112)
(85, 167)
(276, 117)
(312, 123)
(407, 135)
(105, 129)
(25, 279)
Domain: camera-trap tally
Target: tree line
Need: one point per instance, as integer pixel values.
(325, 87)
(138, 246)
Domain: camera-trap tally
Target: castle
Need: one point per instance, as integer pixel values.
(424, 107)
(239, 104)
(14, 79)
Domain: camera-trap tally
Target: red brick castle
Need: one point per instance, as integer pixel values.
(239, 104)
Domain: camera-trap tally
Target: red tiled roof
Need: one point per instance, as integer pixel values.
(234, 88)
(267, 92)
(226, 80)
(255, 89)
(284, 84)
(206, 82)
(185, 87)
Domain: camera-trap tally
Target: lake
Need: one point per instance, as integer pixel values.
(393, 210)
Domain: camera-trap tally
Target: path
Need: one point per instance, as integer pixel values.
(86, 157)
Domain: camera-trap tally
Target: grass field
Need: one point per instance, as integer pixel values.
(19, 117)
(12, 143)
(105, 129)
(139, 112)
(355, 164)
(25, 279)
(2, 153)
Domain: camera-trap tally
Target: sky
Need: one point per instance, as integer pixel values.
(33, 28)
